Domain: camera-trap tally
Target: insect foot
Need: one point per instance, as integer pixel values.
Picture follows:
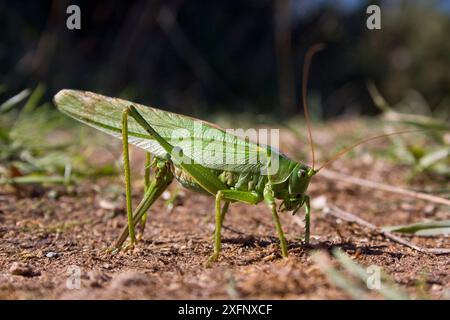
(129, 247)
(212, 258)
(116, 250)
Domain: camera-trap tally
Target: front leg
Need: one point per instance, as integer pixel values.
(228, 196)
(270, 201)
(220, 215)
(148, 163)
(307, 219)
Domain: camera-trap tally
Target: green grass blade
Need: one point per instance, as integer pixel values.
(34, 99)
(423, 229)
(388, 291)
(36, 179)
(13, 101)
(350, 286)
(433, 157)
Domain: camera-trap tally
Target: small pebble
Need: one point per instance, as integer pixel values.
(429, 210)
(166, 195)
(436, 287)
(319, 203)
(110, 205)
(52, 254)
(22, 269)
(270, 257)
(52, 194)
(129, 279)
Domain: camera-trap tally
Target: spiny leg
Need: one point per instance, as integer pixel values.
(220, 215)
(126, 165)
(270, 200)
(224, 211)
(228, 196)
(163, 177)
(202, 175)
(148, 160)
(307, 219)
(276, 219)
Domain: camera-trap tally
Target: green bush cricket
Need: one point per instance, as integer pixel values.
(153, 130)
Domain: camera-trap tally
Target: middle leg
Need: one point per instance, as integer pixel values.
(228, 196)
(220, 215)
(307, 219)
(148, 163)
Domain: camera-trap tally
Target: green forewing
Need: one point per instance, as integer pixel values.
(207, 144)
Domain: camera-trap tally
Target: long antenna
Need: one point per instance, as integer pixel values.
(345, 150)
(309, 54)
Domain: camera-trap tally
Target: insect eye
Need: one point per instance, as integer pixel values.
(301, 173)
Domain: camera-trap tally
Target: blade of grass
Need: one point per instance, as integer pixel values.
(433, 157)
(31, 179)
(13, 101)
(338, 278)
(422, 228)
(387, 290)
(34, 99)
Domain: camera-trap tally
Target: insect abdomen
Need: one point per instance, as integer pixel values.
(187, 181)
(233, 180)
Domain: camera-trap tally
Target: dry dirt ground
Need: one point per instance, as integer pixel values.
(48, 235)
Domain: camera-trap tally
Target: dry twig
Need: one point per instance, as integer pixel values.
(350, 217)
(383, 187)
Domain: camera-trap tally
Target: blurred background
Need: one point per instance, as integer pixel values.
(235, 63)
(198, 57)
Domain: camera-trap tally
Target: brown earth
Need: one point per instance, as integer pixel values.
(47, 232)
